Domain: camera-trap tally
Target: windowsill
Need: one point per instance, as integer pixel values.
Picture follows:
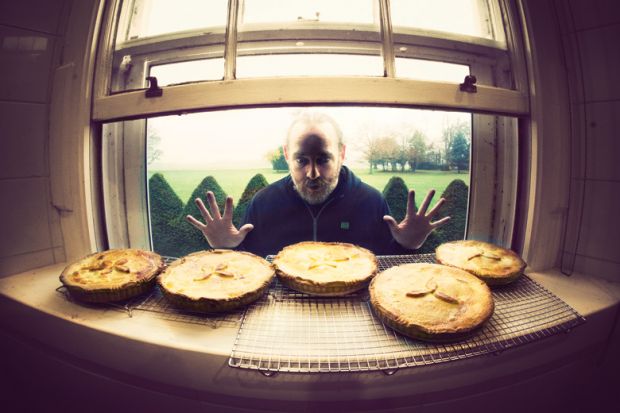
(191, 361)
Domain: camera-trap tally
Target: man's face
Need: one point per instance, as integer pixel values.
(314, 160)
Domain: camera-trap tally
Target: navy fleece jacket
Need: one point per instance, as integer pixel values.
(353, 213)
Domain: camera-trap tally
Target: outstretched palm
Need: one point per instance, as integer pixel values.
(218, 229)
(416, 227)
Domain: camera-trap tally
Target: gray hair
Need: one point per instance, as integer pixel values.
(316, 118)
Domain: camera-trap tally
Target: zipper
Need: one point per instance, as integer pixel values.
(315, 219)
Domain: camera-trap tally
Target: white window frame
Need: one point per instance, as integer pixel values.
(494, 165)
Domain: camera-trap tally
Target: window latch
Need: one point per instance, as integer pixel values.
(154, 90)
(469, 84)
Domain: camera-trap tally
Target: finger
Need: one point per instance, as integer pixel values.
(203, 210)
(199, 225)
(440, 223)
(245, 229)
(215, 210)
(427, 200)
(391, 222)
(410, 204)
(228, 208)
(435, 209)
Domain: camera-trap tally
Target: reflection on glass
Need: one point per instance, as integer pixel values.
(277, 11)
(430, 70)
(467, 17)
(146, 18)
(230, 151)
(193, 71)
(309, 65)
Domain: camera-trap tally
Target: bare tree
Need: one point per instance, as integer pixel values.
(153, 151)
(417, 149)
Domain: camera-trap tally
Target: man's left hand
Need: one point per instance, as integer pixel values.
(416, 227)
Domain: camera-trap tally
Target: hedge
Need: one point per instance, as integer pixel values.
(395, 193)
(165, 206)
(456, 196)
(174, 236)
(257, 183)
(180, 238)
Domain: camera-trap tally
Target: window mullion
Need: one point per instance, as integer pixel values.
(230, 49)
(387, 42)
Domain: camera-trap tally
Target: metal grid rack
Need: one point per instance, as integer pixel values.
(288, 331)
(155, 303)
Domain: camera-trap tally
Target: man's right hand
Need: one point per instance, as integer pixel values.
(219, 229)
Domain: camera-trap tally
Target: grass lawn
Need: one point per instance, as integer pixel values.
(234, 181)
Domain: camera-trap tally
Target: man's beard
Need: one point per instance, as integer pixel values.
(321, 189)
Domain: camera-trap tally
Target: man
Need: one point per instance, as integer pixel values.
(319, 200)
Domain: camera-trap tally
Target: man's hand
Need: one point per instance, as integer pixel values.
(217, 229)
(415, 228)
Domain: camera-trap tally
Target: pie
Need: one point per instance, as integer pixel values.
(325, 268)
(112, 275)
(215, 280)
(431, 302)
(491, 263)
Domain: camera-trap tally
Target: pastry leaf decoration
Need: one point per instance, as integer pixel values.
(431, 288)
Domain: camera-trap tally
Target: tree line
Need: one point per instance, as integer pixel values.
(407, 151)
(412, 150)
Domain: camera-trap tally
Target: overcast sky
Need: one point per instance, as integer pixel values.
(241, 138)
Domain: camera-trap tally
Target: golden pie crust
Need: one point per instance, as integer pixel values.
(112, 275)
(431, 302)
(325, 268)
(216, 280)
(493, 264)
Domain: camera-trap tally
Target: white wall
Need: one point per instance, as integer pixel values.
(31, 37)
(590, 34)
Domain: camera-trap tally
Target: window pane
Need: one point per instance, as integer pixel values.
(224, 150)
(197, 70)
(430, 70)
(467, 17)
(155, 17)
(308, 65)
(341, 11)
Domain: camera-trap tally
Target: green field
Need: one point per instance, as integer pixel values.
(234, 181)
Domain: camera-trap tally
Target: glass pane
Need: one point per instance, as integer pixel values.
(224, 150)
(277, 11)
(197, 70)
(309, 65)
(430, 70)
(310, 53)
(467, 17)
(202, 49)
(156, 17)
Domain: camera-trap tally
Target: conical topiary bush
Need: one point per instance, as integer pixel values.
(189, 238)
(164, 206)
(257, 183)
(395, 193)
(456, 195)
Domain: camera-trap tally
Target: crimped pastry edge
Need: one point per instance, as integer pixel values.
(490, 278)
(126, 291)
(420, 332)
(211, 305)
(330, 288)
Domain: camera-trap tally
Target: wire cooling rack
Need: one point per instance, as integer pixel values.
(155, 303)
(288, 331)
